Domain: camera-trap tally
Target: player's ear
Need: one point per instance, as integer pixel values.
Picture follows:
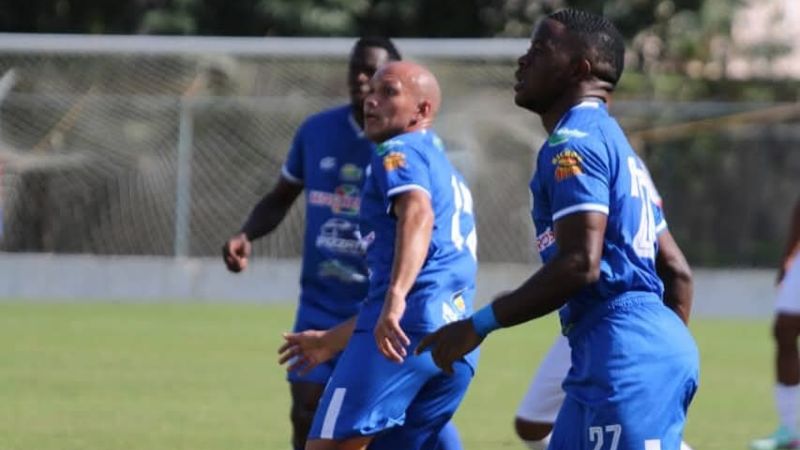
(424, 109)
(582, 69)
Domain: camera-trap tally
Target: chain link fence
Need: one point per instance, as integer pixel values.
(154, 149)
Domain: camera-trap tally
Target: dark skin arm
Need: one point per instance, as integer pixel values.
(575, 266)
(676, 275)
(266, 215)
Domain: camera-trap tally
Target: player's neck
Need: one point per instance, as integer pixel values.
(561, 107)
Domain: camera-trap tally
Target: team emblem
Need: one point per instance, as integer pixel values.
(393, 161)
(568, 164)
(327, 163)
(350, 172)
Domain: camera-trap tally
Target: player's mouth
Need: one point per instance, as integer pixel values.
(370, 116)
(520, 82)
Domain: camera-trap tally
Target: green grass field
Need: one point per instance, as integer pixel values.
(202, 377)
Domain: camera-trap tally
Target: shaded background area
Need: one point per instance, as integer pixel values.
(162, 148)
(92, 141)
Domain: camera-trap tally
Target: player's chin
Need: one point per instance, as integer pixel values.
(374, 131)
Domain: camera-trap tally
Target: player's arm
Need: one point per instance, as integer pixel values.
(676, 275)
(413, 237)
(271, 209)
(793, 244)
(265, 216)
(579, 239)
(306, 350)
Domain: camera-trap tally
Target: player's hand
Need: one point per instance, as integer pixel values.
(450, 343)
(302, 352)
(389, 337)
(235, 252)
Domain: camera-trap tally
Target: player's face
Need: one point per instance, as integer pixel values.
(390, 108)
(543, 72)
(364, 62)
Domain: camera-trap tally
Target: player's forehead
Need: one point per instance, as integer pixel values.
(389, 75)
(549, 32)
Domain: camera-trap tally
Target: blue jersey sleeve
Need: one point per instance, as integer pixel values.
(399, 170)
(292, 169)
(580, 183)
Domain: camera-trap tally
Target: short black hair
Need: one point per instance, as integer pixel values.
(602, 42)
(379, 42)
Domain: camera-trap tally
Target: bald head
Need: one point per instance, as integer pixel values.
(419, 80)
(404, 97)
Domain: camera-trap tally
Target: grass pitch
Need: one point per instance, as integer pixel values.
(203, 377)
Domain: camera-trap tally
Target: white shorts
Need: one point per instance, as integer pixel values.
(788, 300)
(545, 396)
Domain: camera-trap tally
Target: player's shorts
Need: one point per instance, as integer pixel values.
(634, 373)
(368, 394)
(788, 299)
(545, 395)
(321, 373)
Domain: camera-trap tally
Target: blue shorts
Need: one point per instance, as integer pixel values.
(321, 373)
(368, 394)
(634, 372)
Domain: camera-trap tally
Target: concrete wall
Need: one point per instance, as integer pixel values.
(69, 278)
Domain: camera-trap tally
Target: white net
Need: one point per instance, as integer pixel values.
(160, 146)
(141, 152)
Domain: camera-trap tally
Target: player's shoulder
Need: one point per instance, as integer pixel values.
(331, 117)
(406, 143)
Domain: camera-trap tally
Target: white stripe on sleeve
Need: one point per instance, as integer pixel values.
(289, 177)
(583, 207)
(405, 188)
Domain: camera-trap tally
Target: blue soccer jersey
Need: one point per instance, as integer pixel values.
(368, 394)
(634, 364)
(588, 165)
(328, 157)
(445, 286)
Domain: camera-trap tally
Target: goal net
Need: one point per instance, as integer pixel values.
(160, 146)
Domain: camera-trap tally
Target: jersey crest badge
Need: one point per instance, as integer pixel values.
(394, 161)
(568, 164)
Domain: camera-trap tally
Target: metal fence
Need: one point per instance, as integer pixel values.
(160, 146)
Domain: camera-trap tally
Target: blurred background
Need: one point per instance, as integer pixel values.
(135, 136)
(137, 145)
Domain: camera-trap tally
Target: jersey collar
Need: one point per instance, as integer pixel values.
(586, 104)
(356, 129)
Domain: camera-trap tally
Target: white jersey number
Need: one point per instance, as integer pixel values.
(644, 242)
(463, 201)
(596, 435)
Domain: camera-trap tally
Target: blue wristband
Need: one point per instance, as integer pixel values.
(484, 321)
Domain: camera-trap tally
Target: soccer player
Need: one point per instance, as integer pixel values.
(634, 365)
(417, 225)
(327, 160)
(786, 330)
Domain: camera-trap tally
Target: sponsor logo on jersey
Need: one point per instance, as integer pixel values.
(454, 309)
(563, 135)
(387, 146)
(345, 199)
(342, 237)
(545, 240)
(345, 273)
(327, 163)
(394, 161)
(350, 172)
(568, 164)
